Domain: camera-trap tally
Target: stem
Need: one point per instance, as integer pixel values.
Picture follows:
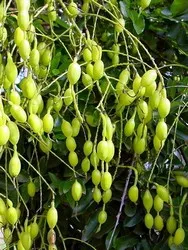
(180, 210)
(121, 207)
(84, 242)
(135, 172)
(171, 206)
(174, 142)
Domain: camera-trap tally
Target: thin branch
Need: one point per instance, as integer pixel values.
(121, 207)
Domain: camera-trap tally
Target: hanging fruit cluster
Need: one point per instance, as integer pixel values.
(38, 105)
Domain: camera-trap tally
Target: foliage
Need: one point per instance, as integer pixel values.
(137, 53)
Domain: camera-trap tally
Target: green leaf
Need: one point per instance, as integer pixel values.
(130, 209)
(132, 221)
(70, 199)
(91, 227)
(124, 7)
(125, 242)
(138, 21)
(56, 60)
(62, 23)
(55, 181)
(178, 6)
(65, 186)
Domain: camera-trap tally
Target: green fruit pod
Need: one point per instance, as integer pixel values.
(136, 83)
(161, 130)
(31, 33)
(28, 87)
(106, 181)
(170, 241)
(66, 128)
(52, 216)
(164, 107)
(162, 192)
(45, 145)
(76, 191)
(73, 9)
(11, 71)
(139, 145)
(20, 246)
(179, 236)
(87, 55)
(129, 127)
(89, 69)
(75, 127)
(41, 47)
(102, 150)
(31, 189)
(149, 77)
(147, 200)
(144, 4)
(26, 241)
(34, 58)
(23, 5)
(23, 20)
(70, 143)
(68, 97)
(18, 36)
(155, 99)
(35, 123)
(46, 57)
(142, 110)
(96, 53)
(14, 165)
(52, 14)
(157, 143)
(158, 203)
(7, 235)
(148, 221)
(11, 215)
(96, 177)
(24, 49)
(57, 103)
(125, 99)
(102, 217)
(98, 70)
(182, 180)
(111, 151)
(85, 165)
(3, 207)
(149, 91)
(5, 134)
(88, 147)
(124, 76)
(94, 159)
(158, 222)
(119, 26)
(48, 123)
(34, 230)
(133, 193)
(171, 224)
(97, 194)
(87, 81)
(14, 97)
(73, 159)
(106, 196)
(74, 73)
(142, 130)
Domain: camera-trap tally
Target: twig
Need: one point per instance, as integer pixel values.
(121, 207)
